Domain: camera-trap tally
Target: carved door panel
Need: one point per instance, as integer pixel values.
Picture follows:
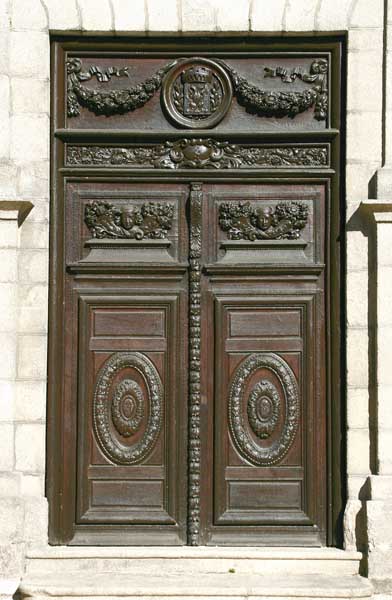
(264, 375)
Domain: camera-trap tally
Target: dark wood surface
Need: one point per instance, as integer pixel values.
(194, 356)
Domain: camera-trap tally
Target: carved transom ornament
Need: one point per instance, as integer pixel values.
(197, 92)
(245, 221)
(262, 409)
(123, 406)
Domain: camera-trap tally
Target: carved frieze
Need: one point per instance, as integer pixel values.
(197, 92)
(246, 221)
(124, 405)
(238, 409)
(151, 220)
(196, 153)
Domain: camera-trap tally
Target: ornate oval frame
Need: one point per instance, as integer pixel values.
(102, 407)
(243, 441)
(167, 100)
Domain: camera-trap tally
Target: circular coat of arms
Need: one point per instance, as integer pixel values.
(197, 93)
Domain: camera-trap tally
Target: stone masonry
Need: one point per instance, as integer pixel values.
(24, 184)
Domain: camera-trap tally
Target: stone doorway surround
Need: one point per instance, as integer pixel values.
(24, 180)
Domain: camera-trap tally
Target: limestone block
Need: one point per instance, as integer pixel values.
(357, 486)
(7, 402)
(384, 296)
(36, 521)
(269, 18)
(30, 448)
(4, 16)
(28, 19)
(34, 235)
(29, 54)
(384, 395)
(32, 320)
(11, 520)
(4, 96)
(8, 174)
(357, 358)
(32, 485)
(8, 234)
(357, 298)
(11, 565)
(33, 182)
(31, 356)
(163, 15)
(385, 452)
(4, 52)
(40, 212)
(96, 20)
(9, 484)
(197, 15)
(34, 295)
(7, 354)
(381, 487)
(357, 250)
(129, 20)
(29, 95)
(379, 514)
(5, 140)
(30, 400)
(8, 265)
(300, 15)
(357, 451)
(32, 266)
(233, 16)
(29, 137)
(358, 64)
(365, 39)
(350, 524)
(6, 447)
(363, 136)
(62, 15)
(384, 228)
(384, 342)
(357, 408)
(367, 13)
(335, 17)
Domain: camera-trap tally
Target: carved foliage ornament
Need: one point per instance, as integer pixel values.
(246, 445)
(152, 220)
(123, 406)
(244, 221)
(197, 92)
(199, 154)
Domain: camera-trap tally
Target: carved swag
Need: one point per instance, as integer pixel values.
(203, 97)
(244, 221)
(152, 220)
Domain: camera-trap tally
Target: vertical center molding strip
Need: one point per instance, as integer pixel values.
(195, 246)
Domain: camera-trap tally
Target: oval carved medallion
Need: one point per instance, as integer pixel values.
(197, 93)
(124, 406)
(264, 405)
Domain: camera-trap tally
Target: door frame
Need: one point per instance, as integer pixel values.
(335, 135)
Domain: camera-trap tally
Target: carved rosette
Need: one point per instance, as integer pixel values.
(263, 409)
(195, 246)
(121, 407)
(238, 416)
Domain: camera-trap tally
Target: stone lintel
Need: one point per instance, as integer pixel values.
(379, 209)
(15, 210)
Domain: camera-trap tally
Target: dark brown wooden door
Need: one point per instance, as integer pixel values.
(194, 355)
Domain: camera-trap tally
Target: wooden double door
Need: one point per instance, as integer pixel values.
(194, 354)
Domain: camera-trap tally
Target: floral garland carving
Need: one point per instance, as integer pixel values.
(246, 445)
(195, 245)
(255, 100)
(103, 407)
(244, 221)
(196, 153)
(152, 220)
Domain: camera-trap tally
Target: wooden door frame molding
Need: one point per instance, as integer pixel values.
(332, 176)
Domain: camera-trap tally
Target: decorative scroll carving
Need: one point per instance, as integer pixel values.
(246, 445)
(195, 245)
(106, 400)
(267, 103)
(197, 92)
(107, 102)
(152, 220)
(127, 407)
(244, 221)
(199, 154)
(263, 408)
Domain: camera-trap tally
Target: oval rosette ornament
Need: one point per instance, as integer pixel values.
(263, 409)
(120, 407)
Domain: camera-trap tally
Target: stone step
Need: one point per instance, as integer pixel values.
(200, 560)
(156, 585)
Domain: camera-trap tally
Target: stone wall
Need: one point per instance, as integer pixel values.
(24, 176)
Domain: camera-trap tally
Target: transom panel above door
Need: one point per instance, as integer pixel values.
(194, 370)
